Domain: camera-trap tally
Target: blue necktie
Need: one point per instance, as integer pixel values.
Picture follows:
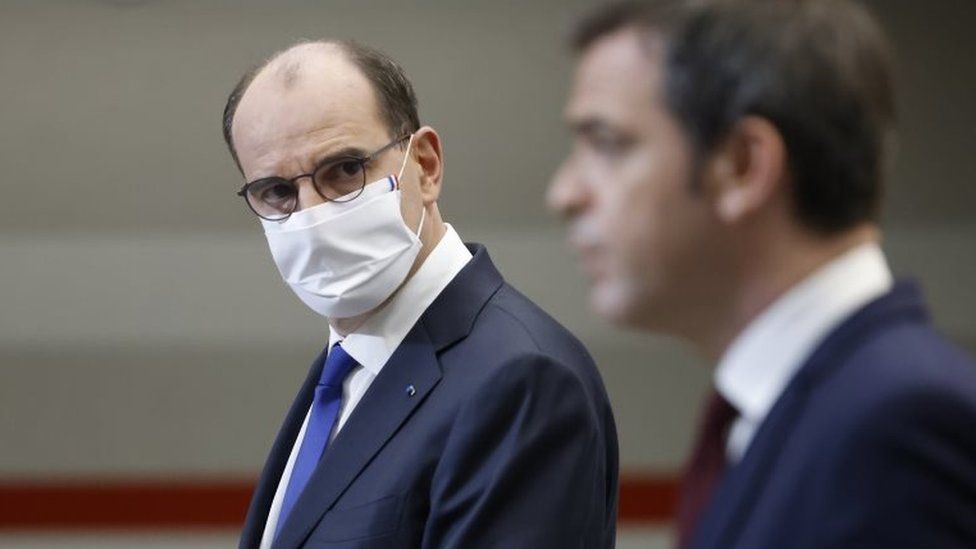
(321, 421)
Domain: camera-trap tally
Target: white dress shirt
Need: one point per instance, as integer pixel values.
(376, 340)
(756, 368)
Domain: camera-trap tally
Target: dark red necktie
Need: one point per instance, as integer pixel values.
(706, 466)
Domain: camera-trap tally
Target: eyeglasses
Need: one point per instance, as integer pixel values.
(337, 179)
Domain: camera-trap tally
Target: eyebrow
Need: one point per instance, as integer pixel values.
(345, 152)
(589, 125)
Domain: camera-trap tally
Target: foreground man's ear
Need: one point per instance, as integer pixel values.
(747, 171)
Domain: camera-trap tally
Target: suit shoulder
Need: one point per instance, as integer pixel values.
(513, 339)
(902, 382)
(901, 452)
(530, 327)
(903, 364)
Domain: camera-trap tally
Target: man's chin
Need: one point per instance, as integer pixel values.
(614, 306)
(631, 310)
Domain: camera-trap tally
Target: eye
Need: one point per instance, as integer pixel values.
(340, 178)
(609, 143)
(350, 168)
(274, 192)
(340, 171)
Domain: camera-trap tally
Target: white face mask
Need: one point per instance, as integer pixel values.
(345, 258)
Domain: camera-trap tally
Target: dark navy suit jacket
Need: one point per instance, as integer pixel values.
(506, 439)
(872, 445)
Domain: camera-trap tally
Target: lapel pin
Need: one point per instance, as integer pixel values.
(411, 390)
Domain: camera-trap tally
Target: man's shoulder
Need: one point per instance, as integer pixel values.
(896, 418)
(526, 327)
(888, 351)
(512, 336)
(905, 381)
(895, 408)
(900, 362)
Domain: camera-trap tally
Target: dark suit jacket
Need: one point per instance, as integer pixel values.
(506, 439)
(872, 445)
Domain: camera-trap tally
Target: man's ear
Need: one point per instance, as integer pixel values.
(426, 152)
(747, 171)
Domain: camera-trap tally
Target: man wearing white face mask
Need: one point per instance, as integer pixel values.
(447, 410)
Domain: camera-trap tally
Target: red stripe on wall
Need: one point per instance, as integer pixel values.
(205, 504)
(647, 498)
(156, 505)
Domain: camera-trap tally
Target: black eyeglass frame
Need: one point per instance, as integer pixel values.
(362, 161)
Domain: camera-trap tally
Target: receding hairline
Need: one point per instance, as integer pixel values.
(392, 93)
(284, 71)
(289, 64)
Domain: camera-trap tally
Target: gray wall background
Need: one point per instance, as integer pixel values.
(143, 327)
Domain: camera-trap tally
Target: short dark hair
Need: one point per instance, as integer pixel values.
(818, 70)
(395, 97)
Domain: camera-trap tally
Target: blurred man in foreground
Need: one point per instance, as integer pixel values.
(447, 409)
(724, 186)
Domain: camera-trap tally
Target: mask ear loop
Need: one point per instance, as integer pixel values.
(406, 157)
(423, 215)
(423, 209)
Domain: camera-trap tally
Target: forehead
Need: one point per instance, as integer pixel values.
(309, 98)
(617, 78)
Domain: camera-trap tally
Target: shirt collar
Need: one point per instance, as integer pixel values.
(761, 361)
(374, 342)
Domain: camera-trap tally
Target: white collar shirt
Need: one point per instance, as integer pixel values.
(761, 361)
(375, 341)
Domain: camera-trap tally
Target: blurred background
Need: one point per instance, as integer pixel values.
(148, 348)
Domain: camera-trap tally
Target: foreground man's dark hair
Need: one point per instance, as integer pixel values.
(819, 70)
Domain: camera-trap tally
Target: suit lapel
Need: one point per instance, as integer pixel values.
(451, 316)
(257, 514)
(739, 491)
(385, 407)
(736, 495)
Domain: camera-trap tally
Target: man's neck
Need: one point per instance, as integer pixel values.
(767, 277)
(431, 235)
